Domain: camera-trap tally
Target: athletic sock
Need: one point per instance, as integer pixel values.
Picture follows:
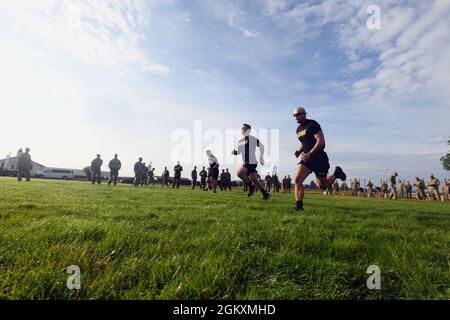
(299, 204)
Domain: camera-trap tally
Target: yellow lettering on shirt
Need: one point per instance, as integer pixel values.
(301, 133)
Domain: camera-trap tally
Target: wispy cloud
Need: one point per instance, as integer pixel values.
(107, 34)
(411, 49)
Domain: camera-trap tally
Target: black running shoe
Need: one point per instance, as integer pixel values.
(251, 190)
(299, 209)
(265, 194)
(339, 174)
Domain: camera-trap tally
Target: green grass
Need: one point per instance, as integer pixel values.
(154, 243)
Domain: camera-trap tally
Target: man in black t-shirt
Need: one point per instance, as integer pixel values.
(313, 158)
(247, 148)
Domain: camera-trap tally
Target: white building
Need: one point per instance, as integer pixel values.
(9, 164)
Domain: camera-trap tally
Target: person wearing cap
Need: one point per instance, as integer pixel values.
(96, 166)
(114, 167)
(24, 165)
(313, 158)
(213, 172)
(247, 173)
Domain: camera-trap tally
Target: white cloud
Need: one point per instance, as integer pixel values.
(107, 34)
(412, 46)
(235, 15)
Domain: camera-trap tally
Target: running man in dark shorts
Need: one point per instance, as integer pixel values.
(247, 148)
(313, 158)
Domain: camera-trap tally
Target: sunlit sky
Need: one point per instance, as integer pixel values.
(85, 77)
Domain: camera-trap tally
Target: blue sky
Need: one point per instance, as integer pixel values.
(84, 77)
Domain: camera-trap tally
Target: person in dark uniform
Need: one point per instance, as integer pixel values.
(222, 180)
(177, 175)
(165, 176)
(288, 183)
(247, 148)
(24, 165)
(138, 172)
(151, 177)
(228, 180)
(114, 167)
(313, 158)
(144, 177)
(194, 177)
(96, 174)
(213, 171)
(203, 175)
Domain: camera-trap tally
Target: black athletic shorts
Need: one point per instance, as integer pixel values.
(250, 168)
(318, 163)
(213, 172)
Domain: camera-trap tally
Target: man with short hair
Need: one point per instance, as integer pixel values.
(313, 157)
(114, 167)
(247, 172)
(96, 173)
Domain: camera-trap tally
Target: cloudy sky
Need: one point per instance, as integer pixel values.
(85, 77)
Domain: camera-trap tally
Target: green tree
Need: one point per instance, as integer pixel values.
(446, 159)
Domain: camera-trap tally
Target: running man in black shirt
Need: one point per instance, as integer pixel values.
(247, 148)
(313, 158)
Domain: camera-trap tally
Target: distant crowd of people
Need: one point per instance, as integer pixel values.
(210, 179)
(393, 189)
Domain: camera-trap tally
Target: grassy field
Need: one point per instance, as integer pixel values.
(154, 243)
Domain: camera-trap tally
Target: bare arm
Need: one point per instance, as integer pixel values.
(261, 149)
(320, 143)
